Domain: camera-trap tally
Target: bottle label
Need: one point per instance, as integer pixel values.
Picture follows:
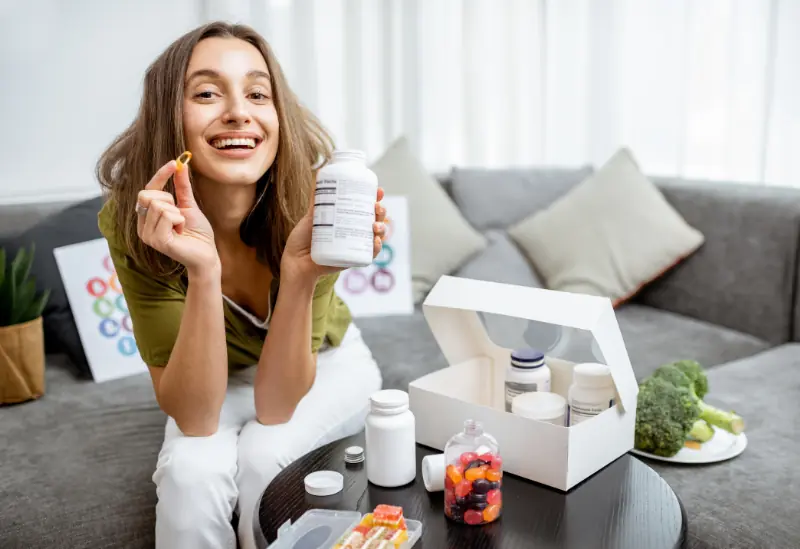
(344, 210)
(578, 411)
(515, 388)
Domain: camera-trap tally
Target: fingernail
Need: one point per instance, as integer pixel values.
(183, 160)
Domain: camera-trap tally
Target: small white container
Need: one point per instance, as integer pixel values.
(526, 373)
(391, 440)
(591, 393)
(549, 407)
(344, 211)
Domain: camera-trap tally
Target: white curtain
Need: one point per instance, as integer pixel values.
(697, 89)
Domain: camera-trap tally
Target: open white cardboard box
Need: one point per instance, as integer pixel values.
(472, 387)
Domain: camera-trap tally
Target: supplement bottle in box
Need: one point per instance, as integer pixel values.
(526, 373)
(344, 211)
(591, 393)
(473, 476)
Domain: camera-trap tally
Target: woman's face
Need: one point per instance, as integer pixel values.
(229, 119)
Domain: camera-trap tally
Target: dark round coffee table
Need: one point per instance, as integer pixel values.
(625, 505)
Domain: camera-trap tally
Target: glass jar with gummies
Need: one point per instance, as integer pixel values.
(473, 476)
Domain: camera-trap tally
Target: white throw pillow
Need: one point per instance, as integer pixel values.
(441, 239)
(609, 236)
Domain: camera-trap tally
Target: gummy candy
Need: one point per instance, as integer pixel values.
(475, 473)
(488, 457)
(463, 488)
(491, 513)
(481, 486)
(497, 462)
(492, 475)
(494, 497)
(454, 474)
(384, 528)
(467, 458)
(473, 517)
(387, 515)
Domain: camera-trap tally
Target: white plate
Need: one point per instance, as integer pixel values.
(722, 446)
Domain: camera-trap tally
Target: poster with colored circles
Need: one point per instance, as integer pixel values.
(383, 288)
(99, 309)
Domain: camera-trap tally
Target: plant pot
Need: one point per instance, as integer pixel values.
(21, 362)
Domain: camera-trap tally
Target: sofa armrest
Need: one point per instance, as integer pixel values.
(744, 275)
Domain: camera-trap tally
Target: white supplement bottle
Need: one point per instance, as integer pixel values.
(547, 407)
(344, 211)
(526, 373)
(391, 440)
(591, 392)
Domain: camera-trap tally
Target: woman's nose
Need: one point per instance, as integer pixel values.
(236, 113)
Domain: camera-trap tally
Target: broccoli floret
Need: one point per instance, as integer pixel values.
(665, 414)
(728, 421)
(701, 431)
(694, 371)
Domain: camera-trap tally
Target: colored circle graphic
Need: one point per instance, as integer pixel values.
(355, 282)
(108, 265)
(126, 345)
(384, 257)
(121, 304)
(109, 327)
(382, 281)
(126, 324)
(103, 307)
(97, 287)
(114, 283)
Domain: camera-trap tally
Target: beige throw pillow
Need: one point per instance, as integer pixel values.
(441, 239)
(609, 236)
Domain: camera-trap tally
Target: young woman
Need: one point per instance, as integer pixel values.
(252, 355)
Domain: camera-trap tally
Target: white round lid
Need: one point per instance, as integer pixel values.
(324, 483)
(389, 400)
(539, 405)
(592, 374)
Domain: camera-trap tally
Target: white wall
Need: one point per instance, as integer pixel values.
(71, 80)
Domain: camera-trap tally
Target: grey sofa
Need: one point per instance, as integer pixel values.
(75, 466)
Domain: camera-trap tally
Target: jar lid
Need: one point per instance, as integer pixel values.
(592, 374)
(324, 483)
(389, 401)
(527, 358)
(539, 405)
(354, 454)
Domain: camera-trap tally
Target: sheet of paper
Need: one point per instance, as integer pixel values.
(383, 288)
(99, 309)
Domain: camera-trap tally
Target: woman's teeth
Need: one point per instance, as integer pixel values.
(241, 142)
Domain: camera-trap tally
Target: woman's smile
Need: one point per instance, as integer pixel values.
(236, 145)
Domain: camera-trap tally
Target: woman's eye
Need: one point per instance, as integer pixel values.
(205, 95)
(258, 96)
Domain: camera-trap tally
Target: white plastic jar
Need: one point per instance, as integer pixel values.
(526, 373)
(391, 440)
(591, 393)
(548, 407)
(344, 211)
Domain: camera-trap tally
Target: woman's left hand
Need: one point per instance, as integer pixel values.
(296, 260)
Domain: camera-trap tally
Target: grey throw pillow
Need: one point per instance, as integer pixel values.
(497, 199)
(502, 262)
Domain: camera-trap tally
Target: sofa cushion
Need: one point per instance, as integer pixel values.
(493, 198)
(77, 223)
(76, 469)
(609, 236)
(502, 262)
(654, 337)
(752, 501)
(441, 239)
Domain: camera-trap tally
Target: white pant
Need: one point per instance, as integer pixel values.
(200, 480)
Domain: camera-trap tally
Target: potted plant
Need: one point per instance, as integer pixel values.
(21, 333)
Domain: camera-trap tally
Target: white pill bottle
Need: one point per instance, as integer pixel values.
(391, 440)
(344, 211)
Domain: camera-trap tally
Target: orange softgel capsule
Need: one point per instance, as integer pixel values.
(491, 513)
(183, 160)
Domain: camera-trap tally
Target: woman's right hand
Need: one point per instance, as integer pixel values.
(181, 232)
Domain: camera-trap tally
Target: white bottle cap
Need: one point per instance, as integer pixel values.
(592, 374)
(389, 401)
(324, 483)
(349, 154)
(354, 454)
(539, 405)
(433, 472)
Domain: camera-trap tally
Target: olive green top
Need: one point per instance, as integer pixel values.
(156, 305)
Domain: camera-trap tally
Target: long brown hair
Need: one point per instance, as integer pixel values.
(156, 136)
